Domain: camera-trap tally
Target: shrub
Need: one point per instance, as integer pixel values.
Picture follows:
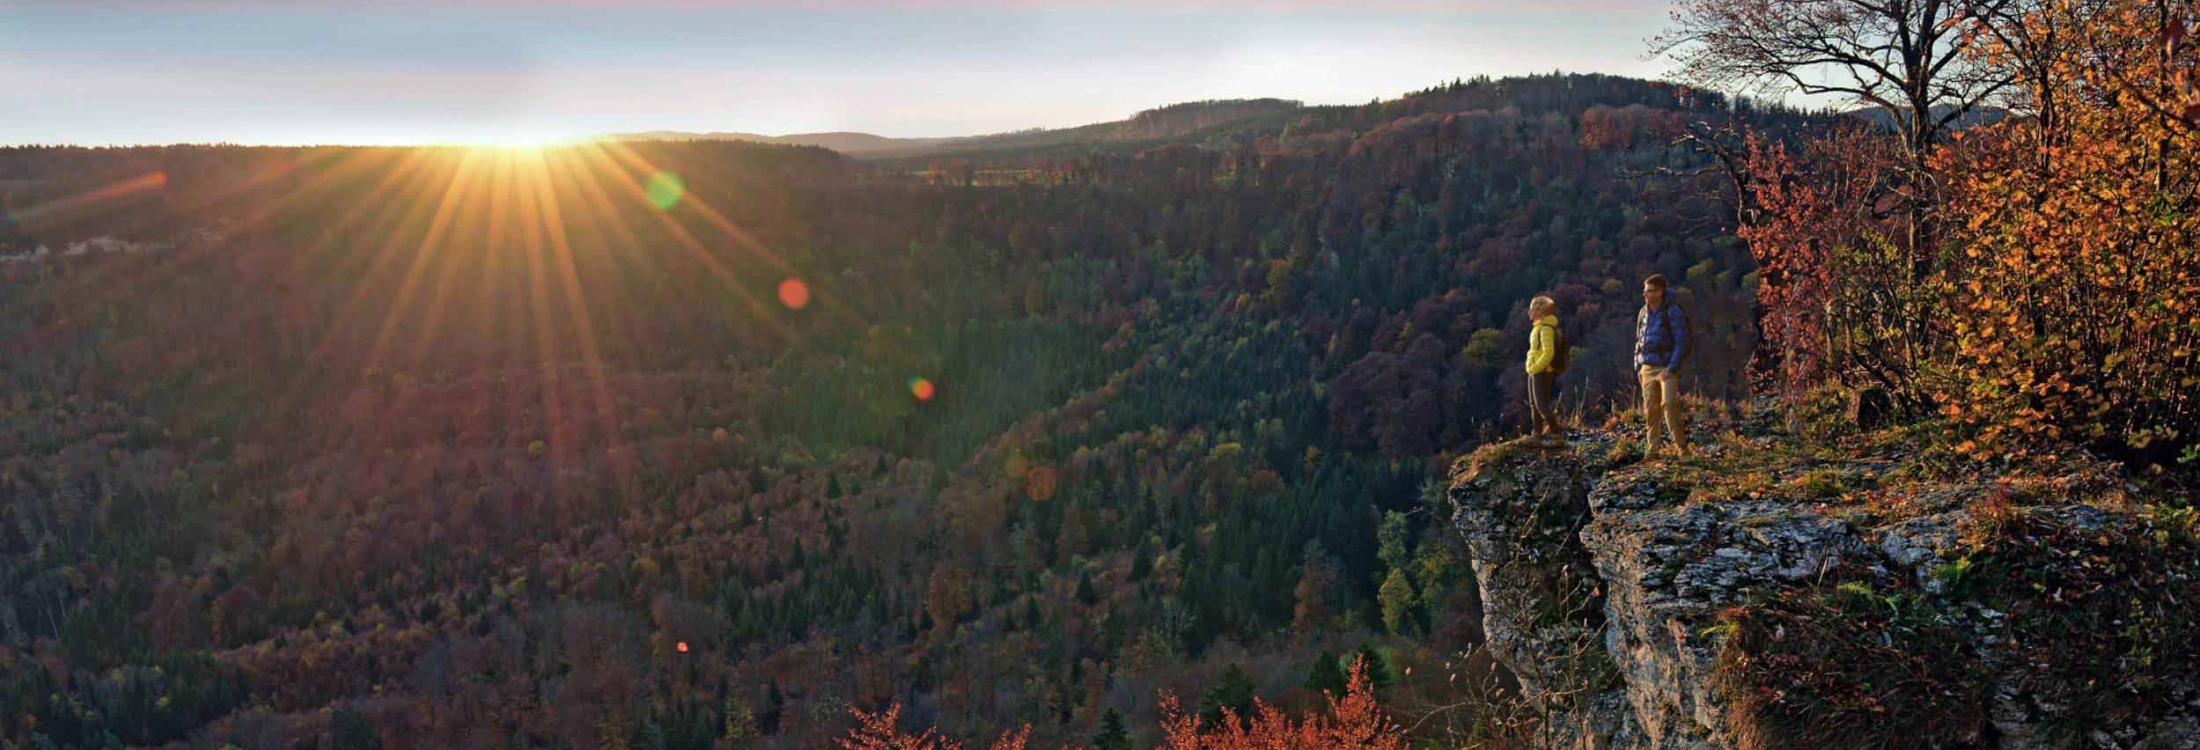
(882, 731)
(1839, 286)
(2077, 312)
(2043, 287)
(1849, 666)
(1353, 722)
(2101, 618)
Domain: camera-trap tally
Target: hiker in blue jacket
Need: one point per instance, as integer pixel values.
(1661, 348)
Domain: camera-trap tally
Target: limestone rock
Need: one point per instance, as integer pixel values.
(1603, 589)
(1520, 511)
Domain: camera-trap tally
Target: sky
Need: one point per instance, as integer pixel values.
(99, 72)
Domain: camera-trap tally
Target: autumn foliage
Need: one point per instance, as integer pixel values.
(1353, 722)
(2038, 278)
(881, 730)
(2073, 300)
(1837, 300)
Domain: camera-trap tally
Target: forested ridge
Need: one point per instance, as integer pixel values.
(702, 444)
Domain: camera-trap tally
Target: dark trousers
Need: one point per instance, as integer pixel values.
(1543, 402)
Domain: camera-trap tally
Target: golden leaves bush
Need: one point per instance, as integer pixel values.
(2073, 292)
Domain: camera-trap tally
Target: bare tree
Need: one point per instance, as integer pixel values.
(2027, 39)
(1922, 64)
(1909, 58)
(1914, 60)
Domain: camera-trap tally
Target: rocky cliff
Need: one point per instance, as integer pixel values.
(1851, 591)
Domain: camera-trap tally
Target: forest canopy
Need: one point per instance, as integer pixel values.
(698, 443)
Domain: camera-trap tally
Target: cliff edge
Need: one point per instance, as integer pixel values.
(1835, 590)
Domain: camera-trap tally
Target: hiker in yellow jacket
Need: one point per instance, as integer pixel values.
(1546, 359)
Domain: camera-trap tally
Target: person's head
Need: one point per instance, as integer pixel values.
(1541, 306)
(1653, 290)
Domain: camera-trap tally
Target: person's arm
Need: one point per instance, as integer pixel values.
(1679, 332)
(1540, 349)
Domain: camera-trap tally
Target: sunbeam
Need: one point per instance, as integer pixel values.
(95, 196)
(553, 229)
(454, 194)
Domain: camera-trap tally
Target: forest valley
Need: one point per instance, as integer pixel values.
(700, 444)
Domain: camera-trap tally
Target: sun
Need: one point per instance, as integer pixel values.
(520, 141)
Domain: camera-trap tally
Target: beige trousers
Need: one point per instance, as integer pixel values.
(1661, 405)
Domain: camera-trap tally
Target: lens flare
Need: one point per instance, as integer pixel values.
(922, 389)
(794, 294)
(664, 190)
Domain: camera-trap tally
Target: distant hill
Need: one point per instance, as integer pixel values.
(852, 144)
(1161, 122)
(1218, 122)
(1980, 115)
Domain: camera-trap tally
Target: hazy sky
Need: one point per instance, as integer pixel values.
(406, 71)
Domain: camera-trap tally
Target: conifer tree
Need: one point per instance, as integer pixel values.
(1234, 692)
(1327, 674)
(1112, 735)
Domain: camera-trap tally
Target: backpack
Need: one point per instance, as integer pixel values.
(1688, 326)
(1561, 352)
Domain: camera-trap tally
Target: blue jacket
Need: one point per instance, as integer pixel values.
(1661, 337)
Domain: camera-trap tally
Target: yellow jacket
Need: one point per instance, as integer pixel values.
(1542, 344)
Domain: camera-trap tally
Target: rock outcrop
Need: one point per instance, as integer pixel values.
(1655, 605)
(1520, 512)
